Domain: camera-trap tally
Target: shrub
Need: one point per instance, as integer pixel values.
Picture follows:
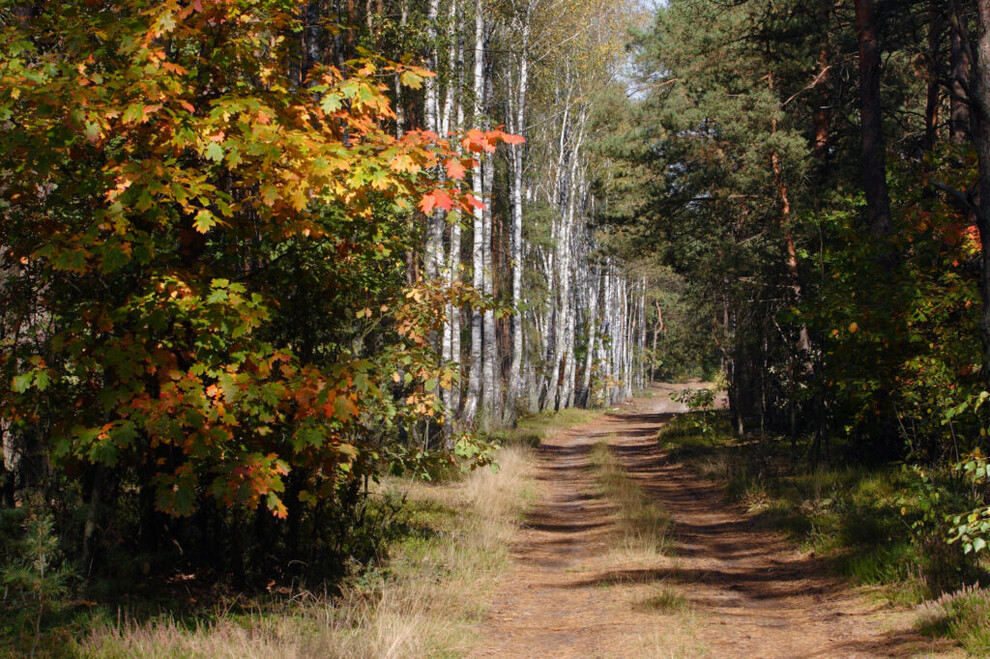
(963, 616)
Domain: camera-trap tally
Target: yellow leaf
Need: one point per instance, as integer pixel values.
(299, 198)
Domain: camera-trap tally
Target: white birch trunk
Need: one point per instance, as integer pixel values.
(478, 248)
(400, 108)
(433, 258)
(492, 375)
(517, 116)
(589, 360)
(452, 272)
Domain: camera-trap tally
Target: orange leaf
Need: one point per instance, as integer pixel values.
(455, 169)
(439, 198)
(474, 202)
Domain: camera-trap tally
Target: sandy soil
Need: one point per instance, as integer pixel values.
(751, 594)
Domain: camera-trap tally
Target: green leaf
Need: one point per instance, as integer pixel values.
(41, 380)
(331, 103)
(204, 221)
(214, 152)
(133, 113)
(411, 80)
(22, 383)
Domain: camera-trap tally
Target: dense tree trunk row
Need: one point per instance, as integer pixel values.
(531, 361)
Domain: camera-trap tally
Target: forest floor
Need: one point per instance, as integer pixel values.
(722, 587)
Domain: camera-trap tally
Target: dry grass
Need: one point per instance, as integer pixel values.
(644, 527)
(424, 605)
(533, 429)
(667, 641)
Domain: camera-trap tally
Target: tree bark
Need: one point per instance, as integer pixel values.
(980, 88)
(589, 360)
(960, 123)
(433, 258)
(453, 119)
(492, 375)
(478, 247)
(873, 150)
(822, 113)
(517, 117)
(933, 100)
(784, 198)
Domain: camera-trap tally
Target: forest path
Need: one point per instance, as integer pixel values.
(751, 593)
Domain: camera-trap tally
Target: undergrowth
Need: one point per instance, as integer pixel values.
(448, 544)
(963, 615)
(442, 544)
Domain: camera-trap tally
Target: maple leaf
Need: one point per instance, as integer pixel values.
(404, 163)
(475, 140)
(214, 152)
(499, 135)
(411, 80)
(269, 194)
(455, 169)
(473, 202)
(204, 221)
(299, 198)
(439, 198)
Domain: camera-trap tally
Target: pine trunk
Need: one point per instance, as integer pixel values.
(874, 164)
(980, 87)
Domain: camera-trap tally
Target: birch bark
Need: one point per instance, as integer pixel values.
(452, 272)
(478, 248)
(433, 257)
(517, 116)
(589, 361)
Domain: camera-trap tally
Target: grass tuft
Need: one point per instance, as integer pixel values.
(667, 601)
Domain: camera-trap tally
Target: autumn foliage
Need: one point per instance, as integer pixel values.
(204, 298)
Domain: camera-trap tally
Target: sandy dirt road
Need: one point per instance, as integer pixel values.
(750, 593)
